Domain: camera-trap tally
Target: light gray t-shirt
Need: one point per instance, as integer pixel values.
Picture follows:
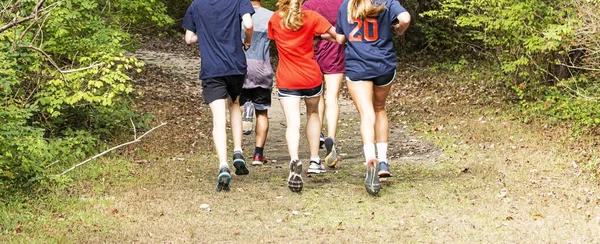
(260, 72)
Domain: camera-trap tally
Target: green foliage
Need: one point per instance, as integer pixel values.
(574, 100)
(522, 36)
(543, 50)
(65, 83)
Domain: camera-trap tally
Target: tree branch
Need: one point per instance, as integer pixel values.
(111, 149)
(33, 15)
(64, 72)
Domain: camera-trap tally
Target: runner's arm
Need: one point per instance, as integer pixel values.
(330, 35)
(190, 37)
(403, 23)
(340, 38)
(248, 30)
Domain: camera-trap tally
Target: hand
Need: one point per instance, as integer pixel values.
(246, 46)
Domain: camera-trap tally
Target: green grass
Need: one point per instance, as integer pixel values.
(65, 213)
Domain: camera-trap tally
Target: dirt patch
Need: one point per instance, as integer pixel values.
(462, 173)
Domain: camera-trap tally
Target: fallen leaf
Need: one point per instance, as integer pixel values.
(537, 216)
(19, 228)
(115, 211)
(236, 233)
(340, 226)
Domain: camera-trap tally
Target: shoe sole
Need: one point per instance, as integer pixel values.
(257, 163)
(384, 174)
(240, 167)
(315, 171)
(332, 158)
(295, 182)
(224, 179)
(372, 183)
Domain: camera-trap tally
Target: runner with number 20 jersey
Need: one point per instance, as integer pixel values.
(370, 51)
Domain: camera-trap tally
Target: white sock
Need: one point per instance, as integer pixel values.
(237, 150)
(223, 164)
(382, 151)
(369, 150)
(317, 159)
(294, 159)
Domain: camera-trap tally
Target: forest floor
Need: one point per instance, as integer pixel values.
(465, 170)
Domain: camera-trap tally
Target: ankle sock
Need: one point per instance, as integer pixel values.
(317, 159)
(382, 151)
(369, 150)
(259, 150)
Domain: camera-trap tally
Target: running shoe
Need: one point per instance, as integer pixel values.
(372, 183)
(240, 164)
(247, 118)
(332, 157)
(321, 141)
(384, 170)
(295, 178)
(224, 179)
(258, 160)
(315, 168)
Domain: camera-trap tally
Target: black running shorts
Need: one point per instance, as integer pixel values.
(222, 87)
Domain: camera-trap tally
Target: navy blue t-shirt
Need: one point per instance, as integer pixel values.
(370, 51)
(218, 25)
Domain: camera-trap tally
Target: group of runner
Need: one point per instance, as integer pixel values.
(316, 40)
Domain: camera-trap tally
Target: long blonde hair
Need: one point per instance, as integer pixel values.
(361, 9)
(291, 14)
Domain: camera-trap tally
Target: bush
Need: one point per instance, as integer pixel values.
(66, 88)
(546, 51)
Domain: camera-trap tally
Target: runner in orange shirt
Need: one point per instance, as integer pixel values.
(299, 77)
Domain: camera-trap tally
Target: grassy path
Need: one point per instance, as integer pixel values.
(464, 172)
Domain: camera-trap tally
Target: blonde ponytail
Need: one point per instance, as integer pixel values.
(291, 14)
(361, 9)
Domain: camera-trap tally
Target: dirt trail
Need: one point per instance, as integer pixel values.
(403, 146)
(493, 182)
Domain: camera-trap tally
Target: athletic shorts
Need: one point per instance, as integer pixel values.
(261, 97)
(300, 93)
(383, 80)
(330, 57)
(222, 87)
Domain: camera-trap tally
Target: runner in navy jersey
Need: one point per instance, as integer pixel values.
(368, 28)
(216, 25)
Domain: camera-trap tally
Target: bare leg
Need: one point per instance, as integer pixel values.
(381, 119)
(262, 127)
(362, 95)
(313, 125)
(333, 83)
(322, 107)
(235, 118)
(291, 110)
(219, 114)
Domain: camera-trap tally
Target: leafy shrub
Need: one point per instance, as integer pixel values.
(64, 81)
(546, 51)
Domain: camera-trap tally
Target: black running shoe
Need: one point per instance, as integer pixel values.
(384, 170)
(332, 156)
(295, 178)
(224, 179)
(372, 183)
(240, 164)
(321, 141)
